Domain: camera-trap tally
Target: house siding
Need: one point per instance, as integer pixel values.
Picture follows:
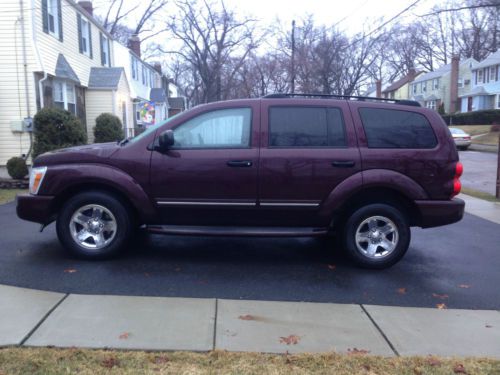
(98, 101)
(123, 97)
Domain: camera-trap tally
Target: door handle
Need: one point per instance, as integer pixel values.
(239, 163)
(343, 163)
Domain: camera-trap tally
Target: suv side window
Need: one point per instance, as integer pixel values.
(306, 127)
(389, 128)
(225, 128)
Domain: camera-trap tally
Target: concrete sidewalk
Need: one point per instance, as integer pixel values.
(479, 207)
(37, 318)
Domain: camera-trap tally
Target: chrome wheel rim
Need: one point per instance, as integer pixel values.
(93, 226)
(377, 237)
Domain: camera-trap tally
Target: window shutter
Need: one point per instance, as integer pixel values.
(109, 52)
(79, 23)
(59, 17)
(101, 42)
(90, 41)
(45, 16)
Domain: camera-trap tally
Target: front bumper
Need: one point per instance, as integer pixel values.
(37, 208)
(437, 213)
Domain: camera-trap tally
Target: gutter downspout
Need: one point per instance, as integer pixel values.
(25, 59)
(39, 58)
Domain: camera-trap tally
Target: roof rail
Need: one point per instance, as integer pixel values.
(345, 97)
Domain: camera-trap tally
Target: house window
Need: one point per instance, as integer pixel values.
(135, 68)
(64, 96)
(105, 55)
(424, 86)
(431, 104)
(85, 36)
(53, 17)
(144, 72)
(414, 89)
(460, 83)
(480, 76)
(492, 74)
(435, 84)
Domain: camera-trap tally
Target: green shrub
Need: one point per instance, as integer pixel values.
(56, 128)
(485, 117)
(16, 167)
(108, 128)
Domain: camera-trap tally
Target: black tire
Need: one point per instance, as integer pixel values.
(122, 219)
(401, 236)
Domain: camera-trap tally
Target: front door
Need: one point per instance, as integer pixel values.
(307, 150)
(209, 176)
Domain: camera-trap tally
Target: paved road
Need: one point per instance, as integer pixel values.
(439, 261)
(480, 170)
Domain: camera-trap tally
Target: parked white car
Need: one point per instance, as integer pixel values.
(461, 138)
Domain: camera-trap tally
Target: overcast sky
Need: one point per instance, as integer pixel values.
(348, 15)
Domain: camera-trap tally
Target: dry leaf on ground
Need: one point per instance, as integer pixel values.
(464, 286)
(434, 361)
(290, 340)
(124, 336)
(441, 306)
(109, 362)
(70, 270)
(246, 317)
(459, 369)
(356, 351)
(332, 266)
(402, 290)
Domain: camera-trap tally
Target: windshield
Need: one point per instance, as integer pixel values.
(456, 131)
(152, 129)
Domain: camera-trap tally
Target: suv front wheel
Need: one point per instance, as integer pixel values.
(93, 225)
(377, 236)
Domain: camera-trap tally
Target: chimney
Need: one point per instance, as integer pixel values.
(378, 85)
(157, 67)
(455, 61)
(411, 74)
(87, 5)
(134, 43)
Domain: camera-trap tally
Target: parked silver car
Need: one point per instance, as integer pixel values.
(461, 138)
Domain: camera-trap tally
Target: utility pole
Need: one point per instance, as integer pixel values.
(293, 59)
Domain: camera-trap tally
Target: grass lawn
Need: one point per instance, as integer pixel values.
(7, 195)
(487, 139)
(480, 195)
(78, 361)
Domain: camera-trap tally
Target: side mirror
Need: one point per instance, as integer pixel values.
(166, 139)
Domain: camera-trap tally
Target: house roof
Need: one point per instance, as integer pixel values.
(478, 90)
(64, 70)
(105, 78)
(176, 103)
(401, 82)
(158, 95)
(492, 59)
(441, 71)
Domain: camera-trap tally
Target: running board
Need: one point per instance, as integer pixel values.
(237, 231)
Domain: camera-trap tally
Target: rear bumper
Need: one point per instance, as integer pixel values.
(37, 208)
(437, 213)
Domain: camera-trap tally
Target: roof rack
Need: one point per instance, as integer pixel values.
(345, 97)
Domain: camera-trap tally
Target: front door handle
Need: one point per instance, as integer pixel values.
(343, 163)
(239, 163)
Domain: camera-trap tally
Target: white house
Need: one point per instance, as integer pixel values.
(485, 92)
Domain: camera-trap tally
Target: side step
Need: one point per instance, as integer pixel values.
(237, 231)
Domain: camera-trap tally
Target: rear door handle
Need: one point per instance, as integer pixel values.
(239, 163)
(343, 163)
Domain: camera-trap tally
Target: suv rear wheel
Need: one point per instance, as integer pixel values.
(94, 225)
(377, 236)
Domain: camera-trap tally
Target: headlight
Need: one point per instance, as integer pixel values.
(36, 178)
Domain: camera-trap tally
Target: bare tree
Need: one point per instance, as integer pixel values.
(214, 42)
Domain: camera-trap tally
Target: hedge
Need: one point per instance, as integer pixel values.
(486, 117)
(16, 167)
(56, 128)
(108, 128)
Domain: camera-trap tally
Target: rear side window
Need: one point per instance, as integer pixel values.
(306, 127)
(389, 128)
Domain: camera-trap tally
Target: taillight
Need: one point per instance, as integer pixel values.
(459, 169)
(457, 185)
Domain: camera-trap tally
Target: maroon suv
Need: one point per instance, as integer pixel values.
(282, 165)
